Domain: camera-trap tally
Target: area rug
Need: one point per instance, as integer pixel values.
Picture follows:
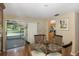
(40, 53)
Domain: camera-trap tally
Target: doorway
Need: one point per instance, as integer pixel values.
(15, 34)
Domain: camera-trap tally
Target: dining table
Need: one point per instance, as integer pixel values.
(47, 47)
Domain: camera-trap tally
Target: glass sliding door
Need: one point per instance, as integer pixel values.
(15, 34)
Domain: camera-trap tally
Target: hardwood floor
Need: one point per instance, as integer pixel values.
(21, 51)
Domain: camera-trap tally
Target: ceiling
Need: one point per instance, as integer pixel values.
(39, 10)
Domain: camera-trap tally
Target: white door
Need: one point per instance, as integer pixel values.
(32, 30)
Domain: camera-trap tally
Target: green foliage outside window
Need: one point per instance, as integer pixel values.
(15, 28)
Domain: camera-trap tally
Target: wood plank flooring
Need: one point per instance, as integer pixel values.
(20, 51)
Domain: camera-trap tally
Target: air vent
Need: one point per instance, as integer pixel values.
(56, 14)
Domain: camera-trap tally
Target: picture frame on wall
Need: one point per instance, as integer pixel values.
(63, 24)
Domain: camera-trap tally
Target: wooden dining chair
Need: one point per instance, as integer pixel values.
(58, 40)
(66, 49)
(40, 38)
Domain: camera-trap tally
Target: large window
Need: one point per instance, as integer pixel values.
(15, 29)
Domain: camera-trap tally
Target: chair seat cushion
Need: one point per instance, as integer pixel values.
(54, 54)
(37, 53)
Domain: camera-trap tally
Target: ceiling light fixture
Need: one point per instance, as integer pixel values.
(53, 21)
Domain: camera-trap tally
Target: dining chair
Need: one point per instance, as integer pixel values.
(58, 40)
(40, 38)
(38, 43)
(66, 49)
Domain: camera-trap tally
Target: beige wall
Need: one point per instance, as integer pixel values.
(68, 35)
(4, 35)
(77, 32)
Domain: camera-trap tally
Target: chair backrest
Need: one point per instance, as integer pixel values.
(39, 38)
(66, 50)
(58, 39)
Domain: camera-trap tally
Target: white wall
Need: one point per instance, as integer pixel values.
(31, 30)
(68, 35)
